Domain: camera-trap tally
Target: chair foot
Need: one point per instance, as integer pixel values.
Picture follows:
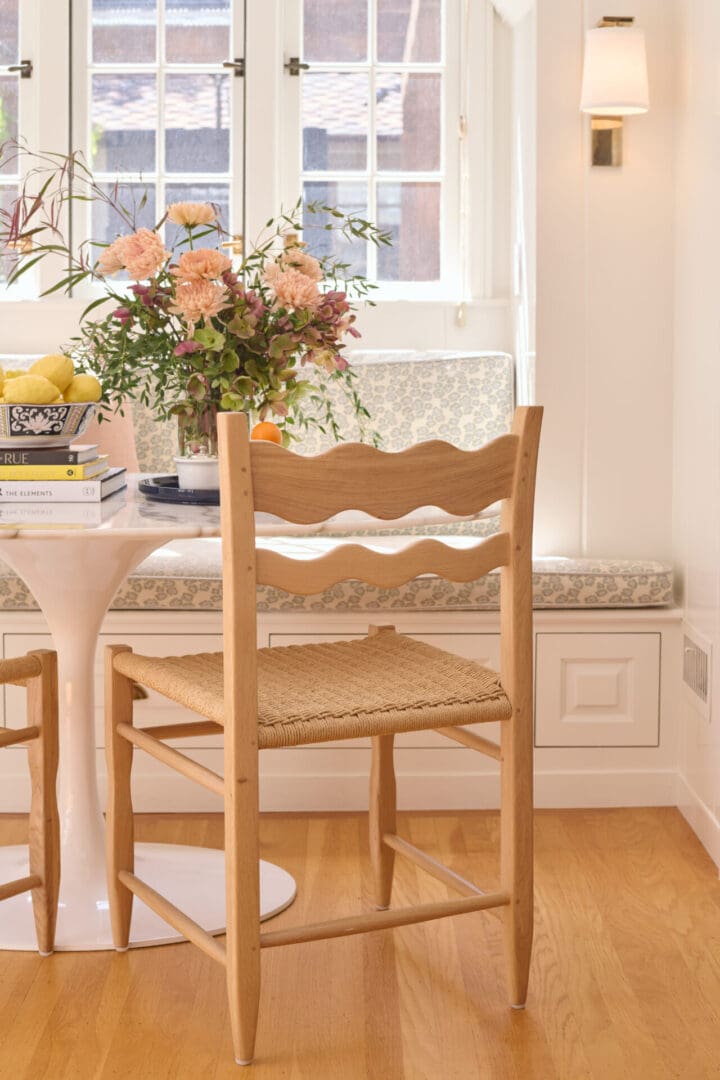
(519, 1007)
(122, 948)
(41, 953)
(239, 1061)
(382, 907)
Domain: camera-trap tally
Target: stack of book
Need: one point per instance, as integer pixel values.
(76, 474)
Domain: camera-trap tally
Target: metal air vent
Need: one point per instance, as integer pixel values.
(697, 652)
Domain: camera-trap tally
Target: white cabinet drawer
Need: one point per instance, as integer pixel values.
(149, 713)
(597, 690)
(483, 648)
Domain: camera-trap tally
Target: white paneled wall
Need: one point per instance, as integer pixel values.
(605, 298)
(697, 389)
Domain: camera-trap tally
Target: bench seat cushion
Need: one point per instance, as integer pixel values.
(186, 576)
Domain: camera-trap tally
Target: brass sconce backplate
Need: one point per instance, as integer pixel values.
(607, 141)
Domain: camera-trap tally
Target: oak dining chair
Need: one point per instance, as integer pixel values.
(37, 672)
(381, 685)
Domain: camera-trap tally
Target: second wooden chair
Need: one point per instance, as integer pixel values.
(38, 673)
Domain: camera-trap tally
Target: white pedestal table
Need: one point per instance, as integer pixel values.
(74, 572)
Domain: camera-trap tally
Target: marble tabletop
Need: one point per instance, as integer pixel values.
(130, 513)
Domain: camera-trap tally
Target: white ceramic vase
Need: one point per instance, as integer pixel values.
(198, 472)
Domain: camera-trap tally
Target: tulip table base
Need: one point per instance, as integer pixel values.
(73, 577)
(192, 878)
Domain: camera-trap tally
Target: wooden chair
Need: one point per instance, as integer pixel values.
(38, 672)
(383, 684)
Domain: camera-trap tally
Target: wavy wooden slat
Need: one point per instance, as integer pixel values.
(303, 577)
(354, 476)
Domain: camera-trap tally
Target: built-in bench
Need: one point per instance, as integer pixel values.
(607, 642)
(465, 398)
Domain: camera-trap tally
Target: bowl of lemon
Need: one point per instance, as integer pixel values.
(46, 405)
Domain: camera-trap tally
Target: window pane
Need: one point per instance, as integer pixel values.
(8, 116)
(335, 121)
(217, 194)
(107, 223)
(124, 119)
(335, 30)
(197, 123)
(408, 121)
(411, 213)
(409, 30)
(197, 31)
(9, 31)
(351, 199)
(124, 30)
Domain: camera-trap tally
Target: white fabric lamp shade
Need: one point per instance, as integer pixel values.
(615, 81)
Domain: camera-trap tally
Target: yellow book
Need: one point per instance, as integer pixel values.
(89, 471)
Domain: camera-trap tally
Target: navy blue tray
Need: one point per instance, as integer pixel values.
(165, 489)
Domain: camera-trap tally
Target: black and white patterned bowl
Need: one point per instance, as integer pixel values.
(43, 425)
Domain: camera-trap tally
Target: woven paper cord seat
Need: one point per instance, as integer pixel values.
(339, 690)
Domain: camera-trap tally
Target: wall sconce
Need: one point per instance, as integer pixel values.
(615, 84)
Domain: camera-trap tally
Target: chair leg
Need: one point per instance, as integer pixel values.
(382, 817)
(242, 887)
(516, 855)
(42, 707)
(119, 813)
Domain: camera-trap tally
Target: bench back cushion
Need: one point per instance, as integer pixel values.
(464, 398)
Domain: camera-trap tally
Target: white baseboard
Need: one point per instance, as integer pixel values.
(159, 790)
(699, 817)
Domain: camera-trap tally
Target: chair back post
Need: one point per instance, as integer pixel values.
(242, 842)
(516, 519)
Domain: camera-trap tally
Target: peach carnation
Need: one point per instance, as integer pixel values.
(203, 264)
(142, 253)
(196, 300)
(110, 261)
(191, 213)
(294, 258)
(294, 290)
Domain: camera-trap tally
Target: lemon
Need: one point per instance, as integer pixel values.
(83, 388)
(57, 368)
(30, 390)
(14, 373)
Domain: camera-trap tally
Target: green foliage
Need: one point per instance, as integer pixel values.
(142, 343)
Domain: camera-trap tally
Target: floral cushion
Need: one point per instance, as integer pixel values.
(411, 397)
(187, 576)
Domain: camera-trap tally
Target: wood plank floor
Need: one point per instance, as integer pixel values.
(625, 982)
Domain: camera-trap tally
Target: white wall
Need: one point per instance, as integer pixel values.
(697, 388)
(605, 292)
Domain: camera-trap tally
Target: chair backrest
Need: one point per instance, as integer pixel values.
(256, 475)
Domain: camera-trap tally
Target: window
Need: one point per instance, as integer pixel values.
(160, 108)
(371, 125)
(374, 128)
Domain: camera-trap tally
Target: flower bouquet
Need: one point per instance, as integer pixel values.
(188, 330)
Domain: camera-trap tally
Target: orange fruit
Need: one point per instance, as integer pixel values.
(268, 431)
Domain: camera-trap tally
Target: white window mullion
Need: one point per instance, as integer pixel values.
(160, 200)
(238, 166)
(372, 254)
